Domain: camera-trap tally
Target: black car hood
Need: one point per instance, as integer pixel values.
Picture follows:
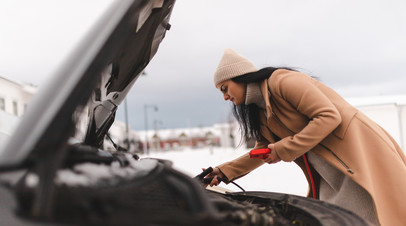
(96, 77)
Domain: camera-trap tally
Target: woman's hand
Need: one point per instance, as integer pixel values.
(273, 156)
(216, 173)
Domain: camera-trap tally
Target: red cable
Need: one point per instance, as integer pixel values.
(310, 175)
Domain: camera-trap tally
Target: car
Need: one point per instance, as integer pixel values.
(53, 173)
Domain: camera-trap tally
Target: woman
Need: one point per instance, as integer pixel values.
(347, 159)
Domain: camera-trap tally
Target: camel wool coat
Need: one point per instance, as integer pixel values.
(302, 114)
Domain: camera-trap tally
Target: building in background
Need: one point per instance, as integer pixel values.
(197, 137)
(14, 99)
(15, 96)
(388, 111)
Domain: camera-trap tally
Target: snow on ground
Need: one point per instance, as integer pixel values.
(280, 177)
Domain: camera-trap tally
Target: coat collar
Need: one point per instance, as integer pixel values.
(265, 92)
(273, 122)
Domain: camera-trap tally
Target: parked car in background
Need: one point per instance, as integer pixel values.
(51, 174)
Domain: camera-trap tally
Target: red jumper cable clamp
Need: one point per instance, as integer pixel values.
(262, 153)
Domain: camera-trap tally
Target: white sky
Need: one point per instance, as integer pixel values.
(356, 47)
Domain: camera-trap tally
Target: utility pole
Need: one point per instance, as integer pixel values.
(146, 106)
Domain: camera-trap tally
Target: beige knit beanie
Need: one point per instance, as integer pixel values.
(232, 65)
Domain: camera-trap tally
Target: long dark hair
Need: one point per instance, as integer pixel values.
(248, 115)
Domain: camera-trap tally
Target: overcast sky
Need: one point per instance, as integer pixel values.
(356, 47)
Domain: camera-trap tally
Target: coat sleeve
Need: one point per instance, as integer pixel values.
(301, 92)
(242, 165)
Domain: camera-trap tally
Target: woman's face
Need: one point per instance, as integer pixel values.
(233, 91)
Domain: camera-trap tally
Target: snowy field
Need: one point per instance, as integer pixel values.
(280, 177)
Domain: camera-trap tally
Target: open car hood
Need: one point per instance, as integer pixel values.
(95, 79)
